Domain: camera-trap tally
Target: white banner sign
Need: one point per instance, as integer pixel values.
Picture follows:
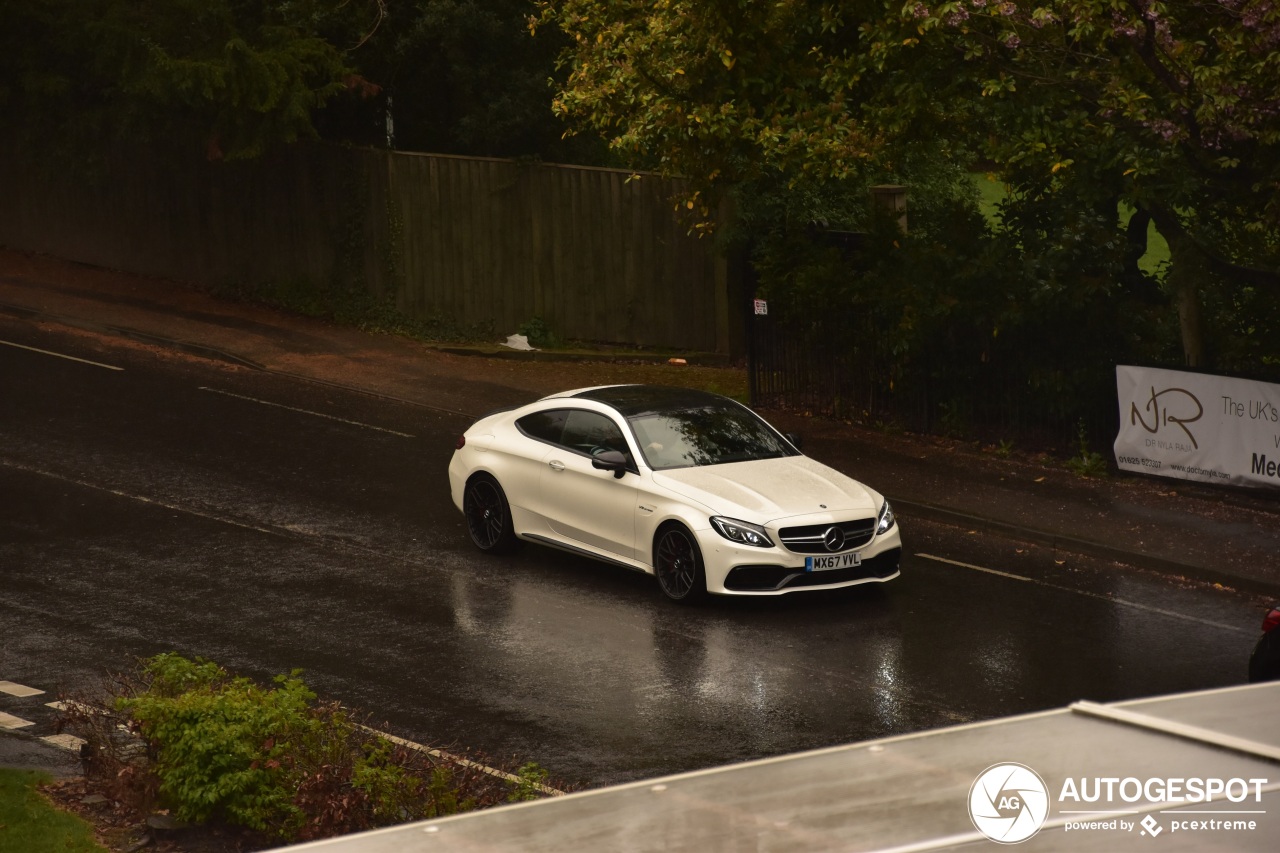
(1198, 427)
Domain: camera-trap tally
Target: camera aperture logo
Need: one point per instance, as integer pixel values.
(1008, 803)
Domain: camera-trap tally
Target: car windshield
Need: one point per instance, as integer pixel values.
(709, 435)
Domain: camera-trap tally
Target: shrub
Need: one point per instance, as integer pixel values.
(1088, 463)
(215, 747)
(225, 747)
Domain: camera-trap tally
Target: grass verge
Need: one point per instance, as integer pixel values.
(29, 822)
(991, 192)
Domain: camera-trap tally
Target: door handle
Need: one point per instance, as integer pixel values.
(556, 465)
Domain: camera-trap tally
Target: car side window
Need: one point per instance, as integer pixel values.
(588, 432)
(575, 429)
(545, 426)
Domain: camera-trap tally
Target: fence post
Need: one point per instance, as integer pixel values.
(891, 198)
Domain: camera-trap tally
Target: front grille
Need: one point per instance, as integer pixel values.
(809, 538)
(772, 578)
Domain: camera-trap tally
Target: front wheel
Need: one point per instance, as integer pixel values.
(488, 515)
(1264, 663)
(678, 564)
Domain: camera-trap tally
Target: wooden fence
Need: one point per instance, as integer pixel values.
(479, 244)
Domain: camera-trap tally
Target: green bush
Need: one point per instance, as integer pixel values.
(532, 782)
(217, 747)
(539, 334)
(225, 747)
(1087, 463)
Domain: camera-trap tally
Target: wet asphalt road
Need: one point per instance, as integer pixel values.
(268, 524)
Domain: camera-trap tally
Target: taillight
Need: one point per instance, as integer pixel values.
(1271, 620)
(462, 442)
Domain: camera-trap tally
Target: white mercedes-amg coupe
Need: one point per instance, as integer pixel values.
(689, 486)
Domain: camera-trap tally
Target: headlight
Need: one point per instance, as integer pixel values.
(886, 519)
(742, 532)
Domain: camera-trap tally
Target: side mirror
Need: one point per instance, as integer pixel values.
(610, 460)
(794, 438)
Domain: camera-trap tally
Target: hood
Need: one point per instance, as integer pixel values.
(768, 489)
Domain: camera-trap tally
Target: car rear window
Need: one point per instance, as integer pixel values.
(545, 426)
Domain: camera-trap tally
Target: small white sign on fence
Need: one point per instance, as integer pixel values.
(762, 307)
(1192, 426)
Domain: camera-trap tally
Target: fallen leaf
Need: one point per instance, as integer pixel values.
(1039, 479)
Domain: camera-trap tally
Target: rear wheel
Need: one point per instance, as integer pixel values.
(678, 564)
(488, 515)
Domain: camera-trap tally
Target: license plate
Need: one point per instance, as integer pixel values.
(851, 560)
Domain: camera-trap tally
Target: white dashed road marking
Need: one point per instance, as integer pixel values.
(61, 355)
(71, 743)
(9, 721)
(278, 531)
(18, 689)
(1122, 602)
(305, 412)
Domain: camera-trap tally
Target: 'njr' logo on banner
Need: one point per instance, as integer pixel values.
(1170, 406)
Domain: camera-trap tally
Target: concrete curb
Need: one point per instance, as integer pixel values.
(696, 359)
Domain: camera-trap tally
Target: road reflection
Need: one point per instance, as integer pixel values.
(635, 674)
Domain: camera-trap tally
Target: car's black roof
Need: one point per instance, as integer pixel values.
(632, 400)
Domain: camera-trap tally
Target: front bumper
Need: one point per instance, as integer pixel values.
(767, 578)
(733, 569)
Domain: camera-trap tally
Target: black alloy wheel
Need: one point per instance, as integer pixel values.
(1264, 663)
(488, 515)
(678, 564)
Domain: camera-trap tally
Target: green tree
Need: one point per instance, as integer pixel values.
(722, 92)
(1172, 108)
(464, 77)
(232, 76)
